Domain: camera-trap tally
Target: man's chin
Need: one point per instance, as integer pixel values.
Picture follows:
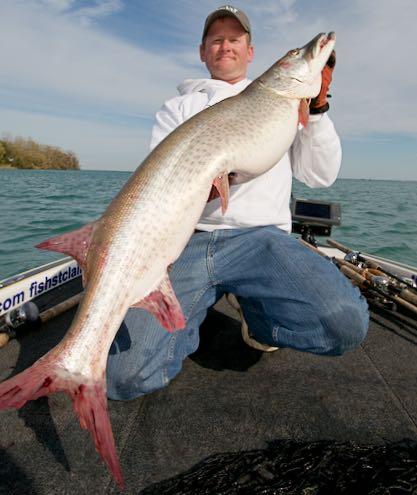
(225, 69)
(228, 76)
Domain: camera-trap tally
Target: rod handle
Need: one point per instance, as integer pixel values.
(4, 339)
(337, 245)
(61, 307)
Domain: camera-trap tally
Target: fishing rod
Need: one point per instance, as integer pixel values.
(28, 314)
(380, 279)
(368, 281)
(355, 257)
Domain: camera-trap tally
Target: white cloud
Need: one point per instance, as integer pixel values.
(375, 75)
(54, 54)
(57, 5)
(98, 10)
(87, 14)
(57, 58)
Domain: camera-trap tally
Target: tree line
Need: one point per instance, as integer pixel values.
(21, 152)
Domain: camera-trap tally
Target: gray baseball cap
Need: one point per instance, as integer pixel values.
(225, 11)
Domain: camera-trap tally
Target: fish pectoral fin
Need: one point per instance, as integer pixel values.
(214, 193)
(74, 243)
(221, 186)
(164, 305)
(304, 112)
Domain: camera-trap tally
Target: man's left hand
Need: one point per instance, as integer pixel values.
(319, 104)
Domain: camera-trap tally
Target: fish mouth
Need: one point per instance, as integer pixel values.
(325, 38)
(321, 45)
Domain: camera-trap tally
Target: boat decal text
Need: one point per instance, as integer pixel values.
(24, 290)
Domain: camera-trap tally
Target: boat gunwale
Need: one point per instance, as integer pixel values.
(33, 271)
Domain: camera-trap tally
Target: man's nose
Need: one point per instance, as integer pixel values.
(226, 45)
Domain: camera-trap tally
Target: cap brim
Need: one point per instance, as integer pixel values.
(217, 14)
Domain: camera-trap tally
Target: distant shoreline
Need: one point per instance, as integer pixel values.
(27, 154)
(9, 167)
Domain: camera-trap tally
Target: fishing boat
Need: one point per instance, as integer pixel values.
(230, 401)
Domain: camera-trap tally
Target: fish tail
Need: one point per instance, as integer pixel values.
(35, 382)
(90, 404)
(88, 399)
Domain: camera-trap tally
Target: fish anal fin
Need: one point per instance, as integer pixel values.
(164, 305)
(303, 112)
(75, 243)
(88, 399)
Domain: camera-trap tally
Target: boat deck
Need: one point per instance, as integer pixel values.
(228, 398)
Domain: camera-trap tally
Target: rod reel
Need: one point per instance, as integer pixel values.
(26, 315)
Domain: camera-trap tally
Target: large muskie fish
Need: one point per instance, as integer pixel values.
(125, 254)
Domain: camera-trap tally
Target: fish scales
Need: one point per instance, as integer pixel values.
(125, 254)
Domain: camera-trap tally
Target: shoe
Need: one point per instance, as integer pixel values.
(251, 342)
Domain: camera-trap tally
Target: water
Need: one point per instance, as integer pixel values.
(378, 217)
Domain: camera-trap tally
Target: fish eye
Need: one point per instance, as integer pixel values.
(294, 52)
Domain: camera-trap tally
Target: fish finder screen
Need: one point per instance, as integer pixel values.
(314, 210)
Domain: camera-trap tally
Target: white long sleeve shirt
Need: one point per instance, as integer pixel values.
(314, 158)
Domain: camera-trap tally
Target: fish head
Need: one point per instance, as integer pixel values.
(298, 73)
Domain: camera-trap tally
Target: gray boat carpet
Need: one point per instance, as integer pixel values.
(235, 420)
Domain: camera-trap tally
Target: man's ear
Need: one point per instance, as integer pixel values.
(250, 53)
(202, 53)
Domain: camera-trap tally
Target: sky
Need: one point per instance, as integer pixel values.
(88, 76)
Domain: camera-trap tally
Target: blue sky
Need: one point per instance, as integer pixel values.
(88, 76)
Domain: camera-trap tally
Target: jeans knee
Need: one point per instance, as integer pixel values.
(121, 386)
(349, 329)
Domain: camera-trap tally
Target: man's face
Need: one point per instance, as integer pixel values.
(226, 50)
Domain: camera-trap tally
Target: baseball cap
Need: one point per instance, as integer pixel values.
(224, 11)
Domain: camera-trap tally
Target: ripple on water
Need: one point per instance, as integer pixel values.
(377, 216)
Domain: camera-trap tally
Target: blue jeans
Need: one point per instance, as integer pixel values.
(290, 297)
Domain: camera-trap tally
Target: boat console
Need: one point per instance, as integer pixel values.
(311, 218)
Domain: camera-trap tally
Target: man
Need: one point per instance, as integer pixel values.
(289, 296)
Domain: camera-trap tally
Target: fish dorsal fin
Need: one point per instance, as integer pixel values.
(164, 305)
(75, 243)
(303, 112)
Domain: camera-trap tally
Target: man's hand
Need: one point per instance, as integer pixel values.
(319, 104)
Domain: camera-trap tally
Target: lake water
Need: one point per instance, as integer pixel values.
(378, 217)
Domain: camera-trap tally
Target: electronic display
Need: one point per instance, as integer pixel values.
(315, 212)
